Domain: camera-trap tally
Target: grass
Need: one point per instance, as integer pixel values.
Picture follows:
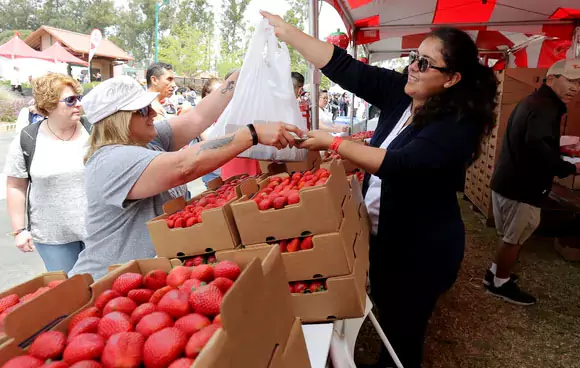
(472, 329)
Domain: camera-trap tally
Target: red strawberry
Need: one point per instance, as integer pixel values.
(190, 285)
(113, 323)
(155, 279)
(227, 269)
(198, 340)
(192, 323)
(306, 243)
(23, 361)
(120, 304)
(279, 202)
(178, 275)
(181, 363)
(87, 364)
(293, 245)
(218, 320)
(8, 301)
(158, 294)
(283, 246)
(301, 287)
(127, 282)
(140, 296)
(316, 286)
(89, 312)
(87, 325)
(153, 322)
(56, 364)
(211, 259)
(84, 347)
(124, 350)
(293, 197)
(27, 297)
(141, 311)
(206, 300)
(106, 297)
(222, 283)
(203, 273)
(291, 285)
(163, 347)
(175, 303)
(197, 260)
(55, 283)
(48, 345)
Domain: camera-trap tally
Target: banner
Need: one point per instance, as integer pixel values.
(96, 37)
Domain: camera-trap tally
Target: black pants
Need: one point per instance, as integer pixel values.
(17, 88)
(405, 302)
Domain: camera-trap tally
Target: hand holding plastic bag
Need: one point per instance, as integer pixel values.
(264, 93)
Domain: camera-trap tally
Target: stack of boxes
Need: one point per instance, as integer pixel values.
(515, 85)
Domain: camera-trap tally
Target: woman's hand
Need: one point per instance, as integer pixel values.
(317, 141)
(277, 134)
(24, 242)
(341, 128)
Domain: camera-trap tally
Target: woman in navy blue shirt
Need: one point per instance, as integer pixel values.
(429, 129)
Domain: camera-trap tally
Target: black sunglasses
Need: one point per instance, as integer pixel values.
(72, 100)
(144, 111)
(423, 63)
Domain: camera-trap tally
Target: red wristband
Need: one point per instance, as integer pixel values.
(336, 142)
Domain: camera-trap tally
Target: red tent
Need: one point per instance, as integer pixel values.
(59, 54)
(16, 48)
(536, 32)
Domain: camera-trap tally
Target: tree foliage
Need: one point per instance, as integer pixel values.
(233, 33)
(185, 50)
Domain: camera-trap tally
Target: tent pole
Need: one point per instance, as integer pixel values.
(314, 74)
(576, 42)
(352, 95)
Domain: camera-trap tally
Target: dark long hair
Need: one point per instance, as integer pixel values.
(474, 96)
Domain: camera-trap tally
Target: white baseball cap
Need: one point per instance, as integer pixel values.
(569, 68)
(116, 94)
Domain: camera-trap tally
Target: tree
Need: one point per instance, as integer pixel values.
(199, 15)
(297, 15)
(233, 26)
(184, 50)
(7, 35)
(18, 14)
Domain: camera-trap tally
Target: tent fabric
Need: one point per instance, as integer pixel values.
(18, 49)
(531, 28)
(60, 54)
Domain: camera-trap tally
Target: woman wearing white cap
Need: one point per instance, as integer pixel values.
(133, 166)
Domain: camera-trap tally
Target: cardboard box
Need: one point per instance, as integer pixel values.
(318, 212)
(256, 313)
(332, 254)
(296, 354)
(568, 248)
(345, 296)
(217, 231)
(570, 182)
(313, 160)
(51, 310)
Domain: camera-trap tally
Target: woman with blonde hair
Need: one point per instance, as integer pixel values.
(134, 165)
(47, 159)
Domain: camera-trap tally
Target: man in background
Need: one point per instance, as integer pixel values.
(160, 78)
(15, 83)
(298, 82)
(529, 160)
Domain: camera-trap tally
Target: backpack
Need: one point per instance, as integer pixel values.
(28, 137)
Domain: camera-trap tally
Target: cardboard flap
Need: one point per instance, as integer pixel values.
(249, 187)
(174, 205)
(215, 183)
(25, 322)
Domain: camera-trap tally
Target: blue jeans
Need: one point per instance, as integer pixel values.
(59, 257)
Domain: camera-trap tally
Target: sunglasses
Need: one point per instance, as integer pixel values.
(144, 111)
(423, 63)
(71, 100)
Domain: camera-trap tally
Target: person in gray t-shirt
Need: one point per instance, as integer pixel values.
(133, 166)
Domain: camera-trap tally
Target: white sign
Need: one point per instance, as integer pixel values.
(96, 37)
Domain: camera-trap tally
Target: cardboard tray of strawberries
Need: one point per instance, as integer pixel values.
(203, 224)
(287, 206)
(149, 313)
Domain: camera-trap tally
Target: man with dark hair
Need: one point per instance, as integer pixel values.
(298, 82)
(161, 79)
(529, 160)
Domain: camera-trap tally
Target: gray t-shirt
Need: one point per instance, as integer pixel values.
(116, 227)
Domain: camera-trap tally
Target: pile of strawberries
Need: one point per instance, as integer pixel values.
(281, 192)
(191, 214)
(360, 175)
(307, 287)
(572, 150)
(12, 301)
(208, 258)
(295, 244)
(363, 135)
(157, 321)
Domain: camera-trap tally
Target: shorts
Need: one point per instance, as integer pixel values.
(515, 221)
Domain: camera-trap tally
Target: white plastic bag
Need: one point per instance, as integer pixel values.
(264, 92)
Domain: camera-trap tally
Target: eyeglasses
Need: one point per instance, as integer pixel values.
(144, 111)
(423, 63)
(71, 100)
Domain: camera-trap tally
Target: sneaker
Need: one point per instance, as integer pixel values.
(488, 279)
(511, 293)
